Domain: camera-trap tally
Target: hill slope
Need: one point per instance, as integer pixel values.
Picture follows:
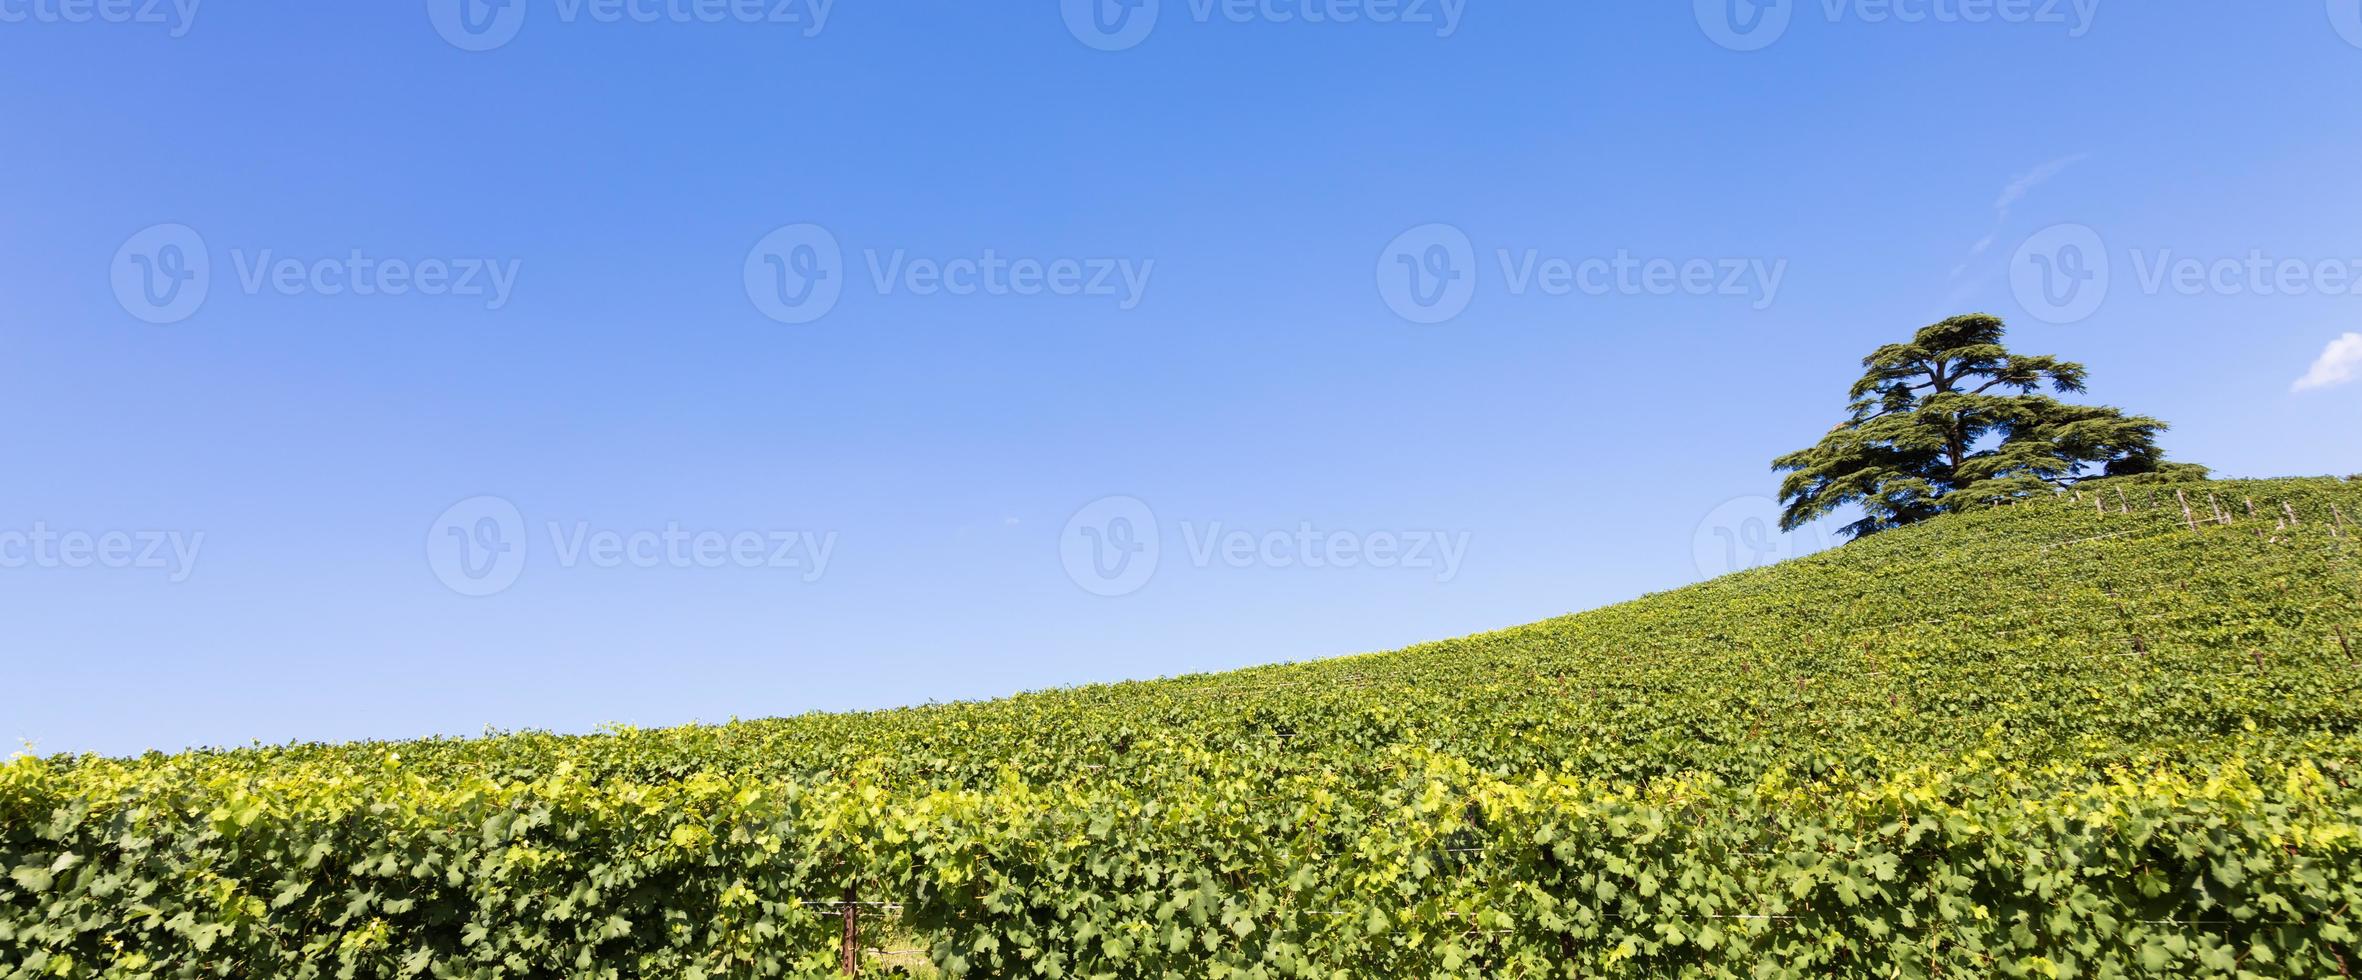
(2071, 737)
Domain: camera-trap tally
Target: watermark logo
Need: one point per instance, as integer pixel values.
(1745, 533)
(484, 25)
(1111, 547)
(2061, 275)
(990, 273)
(162, 274)
(177, 17)
(2065, 273)
(477, 547)
(172, 552)
(358, 273)
(796, 274)
(2346, 16)
(477, 25)
(1745, 25)
(165, 273)
(1427, 275)
(1752, 25)
(1119, 25)
(1110, 25)
(1430, 274)
(1114, 546)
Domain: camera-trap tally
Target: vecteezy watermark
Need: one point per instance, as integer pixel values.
(1116, 25)
(478, 547)
(2064, 273)
(172, 552)
(1745, 533)
(2061, 274)
(1752, 25)
(176, 17)
(164, 273)
(796, 274)
(483, 25)
(2346, 17)
(1114, 545)
(1111, 546)
(1430, 274)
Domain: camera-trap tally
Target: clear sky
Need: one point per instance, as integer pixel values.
(388, 369)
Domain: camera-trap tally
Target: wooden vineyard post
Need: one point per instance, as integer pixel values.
(2291, 511)
(2123, 503)
(2251, 506)
(2343, 645)
(851, 953)
(2187, 517)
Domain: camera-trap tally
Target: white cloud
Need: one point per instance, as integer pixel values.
(2017, 191)
(1973, 272)
(2339, 363)
(2034, 178)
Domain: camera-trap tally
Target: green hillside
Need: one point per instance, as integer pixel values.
(2087, 736)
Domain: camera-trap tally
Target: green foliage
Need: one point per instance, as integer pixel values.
(1951, 422)
(2109, 740)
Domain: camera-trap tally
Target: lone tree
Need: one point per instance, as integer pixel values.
(1952, 422)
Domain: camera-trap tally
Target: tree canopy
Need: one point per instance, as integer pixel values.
(1954, 421)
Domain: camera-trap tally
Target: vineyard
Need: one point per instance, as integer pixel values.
(2113, 733)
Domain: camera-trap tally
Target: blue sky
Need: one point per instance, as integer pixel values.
(492, 391)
